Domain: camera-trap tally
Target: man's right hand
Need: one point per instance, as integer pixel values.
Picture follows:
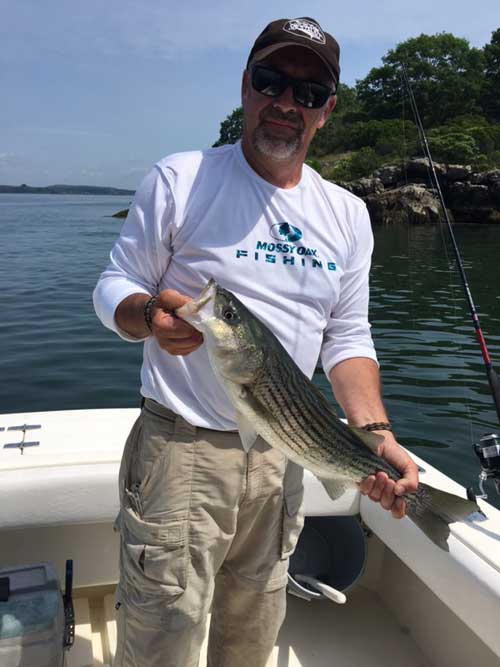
(174, 335)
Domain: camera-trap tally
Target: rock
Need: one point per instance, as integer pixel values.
(347, 185)
(409, 203)
(468, 194)
(491, 177)
(476, 202)
(120, 214)
(389, 175)
(470, 197)
(494, 190)
(419, 168)
(476, 215)
(365, 186)
(458, 172)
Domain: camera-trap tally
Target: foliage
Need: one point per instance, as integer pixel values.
(358, 164)
(333, 136)
(457, 91)
(452, 146)
(445, 74)
(491, 86)
(384, 136)
(364, 162)
(231, 128)
(314, 164)
(341, 171)
(467, 139)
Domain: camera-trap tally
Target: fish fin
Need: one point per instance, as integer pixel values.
(334, 487)
(370, 440)
(434, 527)
(248, 434)
(437, 509)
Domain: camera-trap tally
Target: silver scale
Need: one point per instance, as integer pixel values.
(21, 445)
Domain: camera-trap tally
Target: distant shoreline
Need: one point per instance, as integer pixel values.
(64, 190)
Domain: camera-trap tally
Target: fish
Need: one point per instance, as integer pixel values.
(274, 399)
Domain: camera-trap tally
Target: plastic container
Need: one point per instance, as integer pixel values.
(32, 622)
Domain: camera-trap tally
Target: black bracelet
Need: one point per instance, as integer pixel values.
(148, 307)
(377, 426)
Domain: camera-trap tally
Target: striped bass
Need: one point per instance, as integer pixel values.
(273, 398)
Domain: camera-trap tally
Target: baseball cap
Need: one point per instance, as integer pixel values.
(302, 31)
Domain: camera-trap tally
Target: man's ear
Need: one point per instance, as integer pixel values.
(327, 110)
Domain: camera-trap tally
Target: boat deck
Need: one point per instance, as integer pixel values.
(315, 634)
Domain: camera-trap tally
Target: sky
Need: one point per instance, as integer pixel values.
(94, 92)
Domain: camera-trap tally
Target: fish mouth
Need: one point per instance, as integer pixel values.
(195, 311)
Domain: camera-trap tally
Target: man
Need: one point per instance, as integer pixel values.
(203, 523)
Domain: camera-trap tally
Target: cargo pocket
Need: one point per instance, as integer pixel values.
(154, 555)
(293, 521)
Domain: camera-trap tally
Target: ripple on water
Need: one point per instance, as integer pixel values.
(56, 355)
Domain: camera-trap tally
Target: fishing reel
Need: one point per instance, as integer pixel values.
(488, 452)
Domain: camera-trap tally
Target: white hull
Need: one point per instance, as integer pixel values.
(413, 605)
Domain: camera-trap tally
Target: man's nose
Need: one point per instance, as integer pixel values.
(286, 101)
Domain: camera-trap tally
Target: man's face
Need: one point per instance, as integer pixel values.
(279, 127)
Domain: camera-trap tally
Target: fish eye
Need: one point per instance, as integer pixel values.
(230, 315)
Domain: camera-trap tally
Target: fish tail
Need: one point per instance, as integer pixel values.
(434, 510)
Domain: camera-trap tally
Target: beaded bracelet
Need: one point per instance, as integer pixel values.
(377, 426)
(148, 307)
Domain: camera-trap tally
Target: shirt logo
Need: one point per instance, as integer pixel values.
(305, 28)
(285, 251)
(285, 230)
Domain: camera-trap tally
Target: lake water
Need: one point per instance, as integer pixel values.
(55, 354)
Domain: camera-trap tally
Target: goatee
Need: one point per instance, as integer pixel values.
(273, 146)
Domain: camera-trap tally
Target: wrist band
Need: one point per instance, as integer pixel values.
(148, 307)
(377, 426)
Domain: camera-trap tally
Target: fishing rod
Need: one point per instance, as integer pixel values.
(488, 449)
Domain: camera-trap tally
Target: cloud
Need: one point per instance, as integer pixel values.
(109, 81)
(167, 30)
(116, 29)
(91, 172)
(138, 170)
(6, 158)
(66, 131)
(12, 162)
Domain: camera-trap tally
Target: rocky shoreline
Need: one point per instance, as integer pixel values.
(404, 194)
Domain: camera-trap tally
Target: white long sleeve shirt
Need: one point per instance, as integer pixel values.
(298, 258)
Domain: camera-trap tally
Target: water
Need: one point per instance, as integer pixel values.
(55, 354)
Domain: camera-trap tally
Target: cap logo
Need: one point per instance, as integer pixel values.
(305, 28)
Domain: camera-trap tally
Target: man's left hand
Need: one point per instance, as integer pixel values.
(380, 488)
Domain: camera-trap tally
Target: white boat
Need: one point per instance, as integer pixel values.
(408, 602)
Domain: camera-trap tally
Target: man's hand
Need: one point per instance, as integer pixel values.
(387, 492)
(173, 334)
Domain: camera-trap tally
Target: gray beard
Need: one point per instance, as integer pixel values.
(273, 147)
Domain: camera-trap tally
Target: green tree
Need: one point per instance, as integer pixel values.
(490, 97)
(359, 164)
(364, 162)
(467, 139)
(446, 75)
(231, 128)
(384, 136)
(452, 145)
(334, 135)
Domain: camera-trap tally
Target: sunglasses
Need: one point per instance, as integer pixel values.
(309, 94)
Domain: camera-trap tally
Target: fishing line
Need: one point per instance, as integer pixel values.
(413, 260)
(456, 315)
(492, 376)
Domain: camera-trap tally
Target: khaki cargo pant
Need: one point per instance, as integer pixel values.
(202, 523)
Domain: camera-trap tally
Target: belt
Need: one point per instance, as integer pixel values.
(181, 424)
